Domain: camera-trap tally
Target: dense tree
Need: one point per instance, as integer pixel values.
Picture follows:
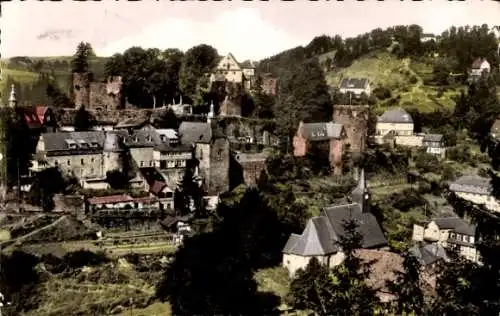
(198, 62)
(80, 61)
(407, 287)
(312, 289)
(83, 120)
(303, 95)
(46, 183)
(212, 272)
(150, 76)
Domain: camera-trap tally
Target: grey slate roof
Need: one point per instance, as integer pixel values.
(132, 122)
(149, 137)
(322, 233)
(428, 254)
(353, 83)
(86, 142)
(397, 115)
(472, 184)
(322, 131)
(433, 138)
(198, 132)
(457, 225)
(316, 240)
(368, 225)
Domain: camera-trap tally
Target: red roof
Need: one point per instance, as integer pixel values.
(157, 187)
(110, 199)
(145, 199)
(40, 111)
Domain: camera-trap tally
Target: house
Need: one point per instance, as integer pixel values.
(476, 190)
(495, 130)
(269, 84)
(132, 123)
(230, 70)
(429, 255)
(434, 144)
(327, 136)
(211, 152)
(427, 37)
(480, 66)
(321, 234)
(450, 233)
(118, 201)
(157, 186)
(356, 86)
(252, 165)
(395, 121)
(76, 153)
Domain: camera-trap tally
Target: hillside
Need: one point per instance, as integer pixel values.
(26, 71)
(405, 78)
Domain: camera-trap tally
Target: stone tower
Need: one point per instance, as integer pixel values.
(114, 86)
(218, 175)
(355, 120)
(81, 89)
(113, 151)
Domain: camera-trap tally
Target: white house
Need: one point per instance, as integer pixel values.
(449, 232)
(476, 190)
(356, 86)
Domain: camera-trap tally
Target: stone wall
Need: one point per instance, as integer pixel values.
(97, 95)
(355, 121)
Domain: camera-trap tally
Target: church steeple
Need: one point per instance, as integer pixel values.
(13, 97)
(361, 194)
(211, 114)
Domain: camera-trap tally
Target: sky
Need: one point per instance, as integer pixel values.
(249, 30)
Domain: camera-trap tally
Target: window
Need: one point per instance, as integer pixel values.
(151, 163)
(56, 163)
(92, 170)
(466, 238)
(82, 161)
(69, 162)
(92, 160)
(142, 163)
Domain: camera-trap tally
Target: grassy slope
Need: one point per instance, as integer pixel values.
(62, 73)
(386, 70)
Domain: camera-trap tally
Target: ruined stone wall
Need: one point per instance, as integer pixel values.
(252, 171)
(233, 99)
(355, 121)
(81, 89)
(107, 95)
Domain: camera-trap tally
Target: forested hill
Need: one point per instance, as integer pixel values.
(405, 66)
(457, 46)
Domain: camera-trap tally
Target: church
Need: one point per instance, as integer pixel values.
(322, 233)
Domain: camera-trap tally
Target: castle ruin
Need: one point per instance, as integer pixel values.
(355, 120)
(97, 95)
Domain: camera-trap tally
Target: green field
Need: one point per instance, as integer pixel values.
(25, 71)
(403, 77)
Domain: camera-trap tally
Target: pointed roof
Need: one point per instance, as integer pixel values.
(12, 97)
(317, 239)
(361, 188)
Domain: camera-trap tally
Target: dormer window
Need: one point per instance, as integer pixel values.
(148, 138)
(83, 143)
(71, 143)
(163, 138)
(136, 139)
(94, 145)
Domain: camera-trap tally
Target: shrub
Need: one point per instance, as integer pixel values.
(382, 93)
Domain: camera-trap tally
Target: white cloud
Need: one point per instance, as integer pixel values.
(239, 31)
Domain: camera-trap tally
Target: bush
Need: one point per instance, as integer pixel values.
(426, 162)
(81, 258)
(382, 93)
(459, 153)
(413, 80)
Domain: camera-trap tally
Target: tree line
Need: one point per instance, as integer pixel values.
(460, 44)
